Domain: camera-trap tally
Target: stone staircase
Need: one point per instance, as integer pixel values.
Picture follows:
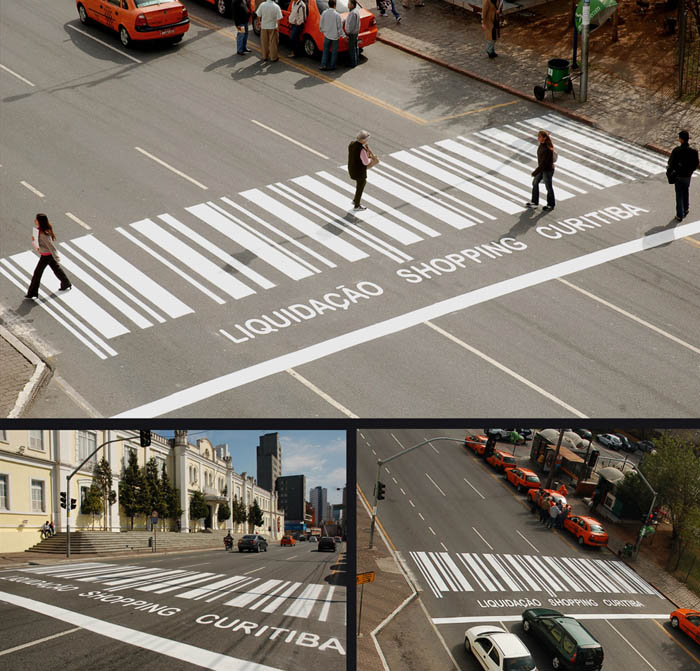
(107, 542)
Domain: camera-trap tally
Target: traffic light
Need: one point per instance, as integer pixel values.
(63, 499)
(73, 503)
(145, 438)
(381, 488)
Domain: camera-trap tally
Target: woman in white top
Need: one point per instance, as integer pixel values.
(297, 19)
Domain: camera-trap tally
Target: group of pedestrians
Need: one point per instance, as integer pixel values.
(333, 28)
(553, 512)
(47, 529)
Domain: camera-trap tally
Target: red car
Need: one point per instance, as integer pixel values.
(501, 461)
(312, 39)
(588, 530)
(288, 540)
(523, 478)
(687, 621)
(476, 443)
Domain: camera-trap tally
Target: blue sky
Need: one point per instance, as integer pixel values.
(319, 455)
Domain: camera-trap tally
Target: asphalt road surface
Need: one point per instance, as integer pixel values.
(480, 557)
(280, 610)
(202, 211)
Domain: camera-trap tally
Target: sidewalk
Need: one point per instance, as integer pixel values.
(453, 37)
(22, 374)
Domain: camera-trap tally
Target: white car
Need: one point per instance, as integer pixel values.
(498, 650)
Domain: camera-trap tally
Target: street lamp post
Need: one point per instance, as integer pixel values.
(585, 39)
(651, 509)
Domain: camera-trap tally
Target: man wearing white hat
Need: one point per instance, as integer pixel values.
(360, 157)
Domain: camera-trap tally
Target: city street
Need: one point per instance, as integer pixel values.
(479, 556)
(283, 609)
(202, 210)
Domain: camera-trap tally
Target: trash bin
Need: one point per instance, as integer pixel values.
(558, 74)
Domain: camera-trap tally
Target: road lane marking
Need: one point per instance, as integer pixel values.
(402, 491)
(14, 74)
(397, 440)
(326, 606)
(32, 189)
(373, 452)
(482, 109)
(140, 639)
(292, 140)
(443, 547)
(577, 616)
(421, 516)
(395, 480)
(483, 539)
(78, 221)
(474, 488)
(292, 557)
(362, 435)
(255, 570)
(109, 46)
(431, 445)
(192, 565)
(505, 369)
(387, 470)
(351, 339)
(38, 640)
(413, 505)
(633, 647)
(639, 320)
(527, 541)
(692, 241)
(172, 169)
(431, 531)
(310, 385)
(436, 485)
(678, 643)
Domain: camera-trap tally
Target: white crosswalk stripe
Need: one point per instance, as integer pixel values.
(491, 572)
(232, 248)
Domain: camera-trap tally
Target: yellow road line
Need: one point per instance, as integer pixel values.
(482, 109)
(693, 241)
(673, 638)
(386, 535)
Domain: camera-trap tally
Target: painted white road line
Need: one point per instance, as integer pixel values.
(235, 379)
(632, 646)
(255, 570)
(431, 531)
(292, 557)
(323, 616)
(304, 603)
(396, 482)
(172, 168)
(104, 44)
(639, 320)
(78, 221)
(14, 74)
(482, 538)
(185, 652)
(444, 547)
(421, 516)
(505, 369)
(38, 640)
(289, 139)
(397, 441)
(474, 488)
(402, 491)
(436, 485)
(527, 541)
(310, 385)
(413, 505)
(577, 616)
(33, 189)
(373, 452)
(387, 470)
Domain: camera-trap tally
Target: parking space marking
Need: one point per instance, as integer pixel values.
(14, 74)
(104, 44)
(38, 640)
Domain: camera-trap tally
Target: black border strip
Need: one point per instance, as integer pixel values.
(351, 546)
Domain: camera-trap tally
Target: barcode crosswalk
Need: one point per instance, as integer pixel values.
(297, 229)
(289, 598)
(491, 572)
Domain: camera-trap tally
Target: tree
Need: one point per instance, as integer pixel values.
(255, 516)
(102, 477)
(224, 512)
(239, 513)
(170, 497)
(635, 496)
(198, 507)
(130, 488)
(92, 504)
(153, 490)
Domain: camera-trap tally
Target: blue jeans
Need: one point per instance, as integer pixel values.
(682, 196)
(294, 38)
(353, 50)
(329, 47)
(242, 40)
(393, 10)
(547, 176)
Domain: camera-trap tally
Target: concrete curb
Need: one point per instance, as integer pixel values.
(42, 372)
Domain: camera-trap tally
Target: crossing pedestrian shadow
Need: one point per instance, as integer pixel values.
(525, 223)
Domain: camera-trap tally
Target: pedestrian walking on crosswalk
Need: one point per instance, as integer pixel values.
(360, 157)
(43, 239)
(546, 157)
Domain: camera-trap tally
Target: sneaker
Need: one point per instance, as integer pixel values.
(359, 208)
(398, 19)
(32, 296)
(547, 208)
(65, 289)
(247, 51)
(530, 204)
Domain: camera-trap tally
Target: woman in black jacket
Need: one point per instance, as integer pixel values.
(241, 17)
(544, 170)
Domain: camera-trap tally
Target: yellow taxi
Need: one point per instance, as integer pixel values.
(138, 20)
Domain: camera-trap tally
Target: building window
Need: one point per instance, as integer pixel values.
(38, 500)
(36, 441)
(4, 492)
(87, 442)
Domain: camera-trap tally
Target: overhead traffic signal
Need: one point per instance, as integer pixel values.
(63, 499)
(73, 503)
(381, 488)
(145, 438)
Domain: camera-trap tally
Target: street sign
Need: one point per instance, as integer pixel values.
(365, 577)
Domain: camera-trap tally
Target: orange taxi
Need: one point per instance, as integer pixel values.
(687, 621)
(138, 20)
(312, 39)
(501, 461)
(288, 540)
(539, 495)
(588, 530)
(523, 478)
(476, 443)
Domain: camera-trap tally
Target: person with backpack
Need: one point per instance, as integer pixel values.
(297, 19)
(682, 163)
(546, 157)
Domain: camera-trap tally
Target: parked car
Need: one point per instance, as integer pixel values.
(525, 433)
(498, 434)
(626, 444)
(543, 496)
(687, 621)
(501, 461)
(588, 530)
(252, 543)
(609, 440)
(584, 433)
(302, 538)
(326, 543)
(313, 539)
(498, 650)
(645, 446)
(476, 443)
(288, 540)
(523, 478)
(570, 644)
(138, 20)
(337, 539)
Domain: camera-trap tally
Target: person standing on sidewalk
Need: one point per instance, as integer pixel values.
(331, 26)
(553, 514)
(383, 5)
(682, 163)
(543, 171)
(241, 17)
(352, 30)
(48, 256)
(360, 157)
(491, 23)
(297, 19)
(270, 15)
